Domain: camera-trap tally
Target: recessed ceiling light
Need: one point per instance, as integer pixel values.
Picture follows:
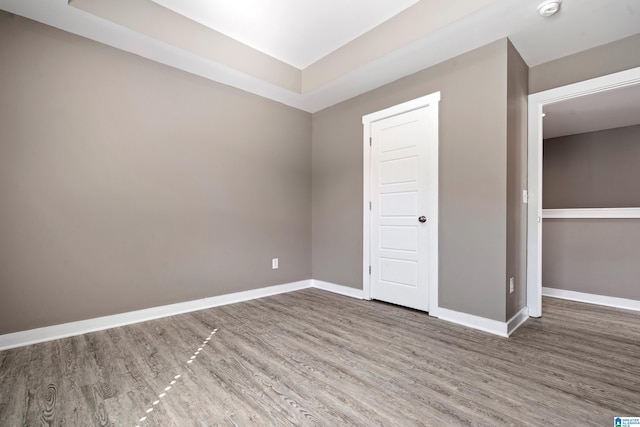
(549, 7)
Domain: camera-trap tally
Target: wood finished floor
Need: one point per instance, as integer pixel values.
(315, 358)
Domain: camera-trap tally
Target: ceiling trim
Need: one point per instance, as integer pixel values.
(440, 46)
(416, 22)
(456, 32)
(153, 20)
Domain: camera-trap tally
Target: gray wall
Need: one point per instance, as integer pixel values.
(596, 256)
(473, 179)
(592, 170)
(598, 61)
(517, 98)
(125, 184)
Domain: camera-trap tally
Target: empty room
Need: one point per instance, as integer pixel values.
(296, 213)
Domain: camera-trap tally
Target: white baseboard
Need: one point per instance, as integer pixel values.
(503, 329)
(628, 304)
(49, 333)
(338, 289)
(476, 322)
(517, 320)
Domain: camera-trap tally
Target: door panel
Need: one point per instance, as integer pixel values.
(399, 204)
(399, 272)
(399, 171)
(398, 238)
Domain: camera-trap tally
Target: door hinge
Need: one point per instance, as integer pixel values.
(370, 141)
(370, 206)
(369, 269)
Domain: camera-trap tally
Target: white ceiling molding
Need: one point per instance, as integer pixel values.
(152, 20)
(578, 26)
(57, 13)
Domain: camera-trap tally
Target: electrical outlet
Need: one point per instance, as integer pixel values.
(274, 263)
(512, 285)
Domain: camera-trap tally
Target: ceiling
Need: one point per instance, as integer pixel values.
(297, 32)
(589, 113)
(311, 54)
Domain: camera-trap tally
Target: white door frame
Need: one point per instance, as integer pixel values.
(432, 210)
(534, 212)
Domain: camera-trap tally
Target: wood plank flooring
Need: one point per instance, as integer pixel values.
(312, 358)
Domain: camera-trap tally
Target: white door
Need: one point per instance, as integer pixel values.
(403, 209)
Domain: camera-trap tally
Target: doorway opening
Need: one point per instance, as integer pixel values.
(538, 102)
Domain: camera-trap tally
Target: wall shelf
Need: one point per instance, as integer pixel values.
(591, 213)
